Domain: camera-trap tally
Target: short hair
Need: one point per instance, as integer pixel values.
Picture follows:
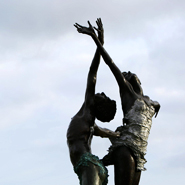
(105, 108)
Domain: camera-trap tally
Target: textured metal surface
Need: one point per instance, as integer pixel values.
(135, 132)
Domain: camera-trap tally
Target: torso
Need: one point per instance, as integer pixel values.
(136, 129)
(79, 134)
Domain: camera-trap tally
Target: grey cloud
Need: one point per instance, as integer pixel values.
(38, 19)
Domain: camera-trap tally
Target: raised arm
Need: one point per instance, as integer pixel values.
(91, 79)
(115, 70)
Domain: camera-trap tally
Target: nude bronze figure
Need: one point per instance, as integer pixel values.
(88, 167)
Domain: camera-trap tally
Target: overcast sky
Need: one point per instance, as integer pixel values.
(44, 64)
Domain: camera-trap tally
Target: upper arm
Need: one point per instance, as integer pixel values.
(122, 82)
(90, 89)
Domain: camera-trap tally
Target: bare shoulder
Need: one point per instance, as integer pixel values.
(81, 122)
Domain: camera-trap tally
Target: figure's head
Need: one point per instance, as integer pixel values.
(134, 81)
(105, 108)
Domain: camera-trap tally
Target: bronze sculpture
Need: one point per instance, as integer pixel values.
(88, 167)
(127, 152)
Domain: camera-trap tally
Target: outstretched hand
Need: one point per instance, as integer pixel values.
(85, 30)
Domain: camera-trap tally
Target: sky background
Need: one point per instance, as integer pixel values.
(44, 64)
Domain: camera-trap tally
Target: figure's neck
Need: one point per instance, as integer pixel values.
(138, 89)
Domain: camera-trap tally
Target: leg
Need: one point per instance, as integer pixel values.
(137, 177)
(90, 175)
(108, 159)
(124, 166)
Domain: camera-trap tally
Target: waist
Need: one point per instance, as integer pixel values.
(77, 148)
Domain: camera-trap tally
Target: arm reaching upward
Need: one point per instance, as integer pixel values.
(123, 85)
(91, 80)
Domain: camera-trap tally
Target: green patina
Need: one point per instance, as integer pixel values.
(85, 160)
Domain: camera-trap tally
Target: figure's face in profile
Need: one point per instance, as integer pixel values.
(131, 78)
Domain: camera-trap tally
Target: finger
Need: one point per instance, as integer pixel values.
(96, 29)
(78, 29)
(98, 23)
(79, 25)
(75, 26)
(98, 20)
(89, 24)
(101, 24)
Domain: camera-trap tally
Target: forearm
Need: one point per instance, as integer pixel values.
(115, 70)
(104, 132)
(94, 67)
(103, 52)
(91, 79)
(95, 62)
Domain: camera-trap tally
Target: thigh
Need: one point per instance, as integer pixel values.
(137, 178)
(124, 166)
(90, 175)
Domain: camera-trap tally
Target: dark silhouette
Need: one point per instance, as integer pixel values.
(88, 167)
(127, 152)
